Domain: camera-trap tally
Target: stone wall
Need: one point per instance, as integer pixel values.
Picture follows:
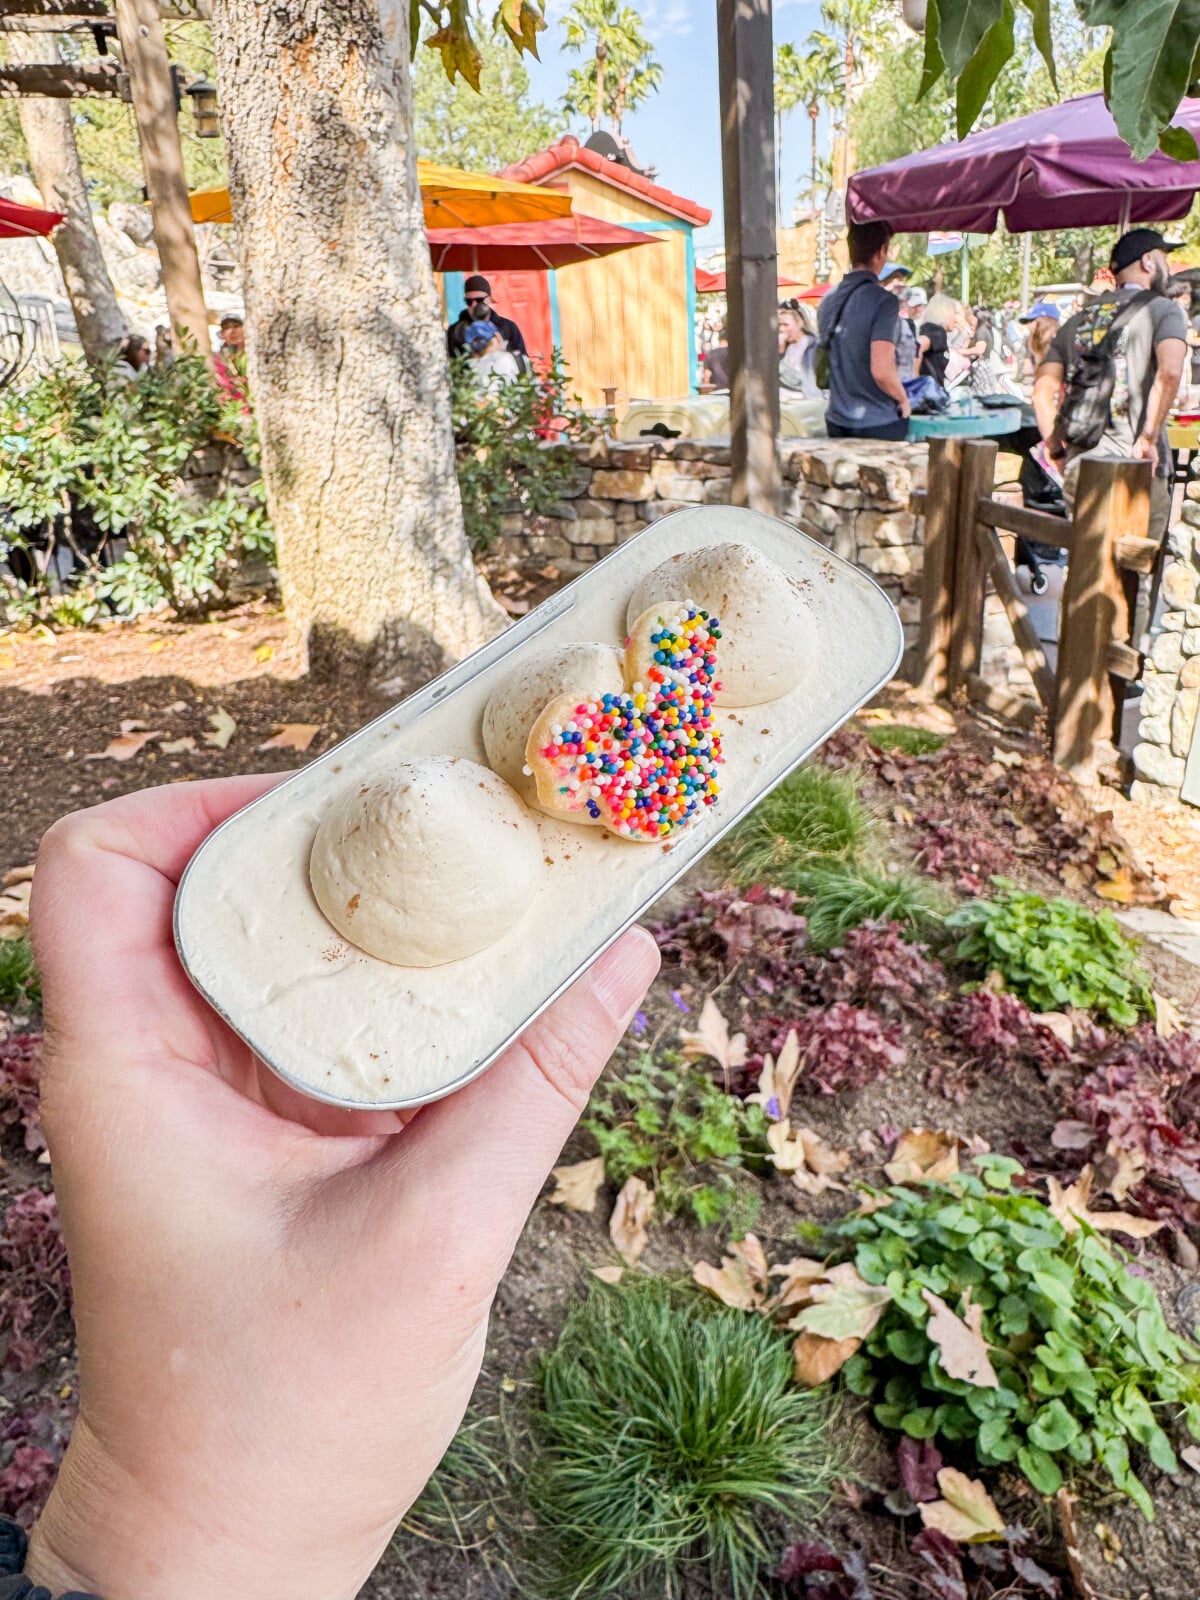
(852, 495)
(1171, 692)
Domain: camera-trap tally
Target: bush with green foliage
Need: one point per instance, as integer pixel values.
(508, 444)
(19, 984)
(672, 1125)
(905, 738)
(1053, 954)
(89, 450)
(666, 1438)
(1086, 1366)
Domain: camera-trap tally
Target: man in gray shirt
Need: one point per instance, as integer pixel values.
(858, 323)
(1150, 347)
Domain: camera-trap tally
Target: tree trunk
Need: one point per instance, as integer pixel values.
(347, 357)
(54, 158)
(814, 111)
(601, 58)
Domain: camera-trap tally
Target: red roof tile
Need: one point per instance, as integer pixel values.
(568, 152)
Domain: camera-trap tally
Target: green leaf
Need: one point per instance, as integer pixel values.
(1041, 1469)
(962, 25)
(933, 66)
(1153, 46)
(997, 1441)
(1039, 10)
(919, 1424)
(981, 71)
(1053, 1428)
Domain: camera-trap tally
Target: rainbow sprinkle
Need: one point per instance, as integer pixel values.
(645, 761)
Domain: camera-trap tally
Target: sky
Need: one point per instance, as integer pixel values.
(678, 130)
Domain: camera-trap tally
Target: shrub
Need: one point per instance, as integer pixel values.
(813, 816)
(666, 1436)
(680, 1131)
(1053, 954)
(89, 457)
(1083, 1361)
(837, 896)
(902, 737)
(508, 445)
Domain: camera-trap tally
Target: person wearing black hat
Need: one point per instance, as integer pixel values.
(477, 292)
(1147, 334)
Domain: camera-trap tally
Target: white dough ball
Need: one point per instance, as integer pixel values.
(764, 623)
(426, 863)
(582, 670)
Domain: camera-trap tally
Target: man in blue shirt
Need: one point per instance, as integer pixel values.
(858, 323)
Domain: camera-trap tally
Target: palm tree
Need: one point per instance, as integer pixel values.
(859, 36)
(625, 72)
(812, 81)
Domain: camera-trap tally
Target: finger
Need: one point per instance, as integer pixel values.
(484, 1153)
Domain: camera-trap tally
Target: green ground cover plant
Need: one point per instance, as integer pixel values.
(18, 977)
(1053, 954)
(837, 897)
(666, 1437)
(903, 737)
(1015, 1333)
(670, 1124)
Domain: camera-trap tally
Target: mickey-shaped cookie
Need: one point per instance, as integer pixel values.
(641, 760)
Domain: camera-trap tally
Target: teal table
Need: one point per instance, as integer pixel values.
(967, 420)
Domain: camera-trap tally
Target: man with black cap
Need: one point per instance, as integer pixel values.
(477, 292)
(1139, 338)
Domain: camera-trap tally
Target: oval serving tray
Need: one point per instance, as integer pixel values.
(354, 1031)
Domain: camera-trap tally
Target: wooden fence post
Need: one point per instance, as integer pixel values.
(1112, 502)
(937, 571)
(975, 482)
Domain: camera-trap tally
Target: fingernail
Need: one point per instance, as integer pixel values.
(625, 971)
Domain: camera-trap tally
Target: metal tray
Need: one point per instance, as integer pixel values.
(354, 1031)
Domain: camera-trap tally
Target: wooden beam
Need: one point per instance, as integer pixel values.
(81, 80)
(59, 25)
(1112, 502)
(970, 576)
(746, 63)
(1019, 619)
(1018, 708)
(937, 586)
(1137, 555)
(35, 9)
(144, 49)
(1039, 526)
(1123, 661)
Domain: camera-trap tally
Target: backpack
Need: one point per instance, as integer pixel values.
(822, 364)
(1085, 414)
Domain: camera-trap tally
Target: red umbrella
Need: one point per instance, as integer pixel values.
(529, 246)
(1065, 167)
(26, 222)
(714, 282)
(817, 292)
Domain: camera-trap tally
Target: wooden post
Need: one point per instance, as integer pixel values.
(37, 80)
(747, 80)
(1112, 502)
(937, 574)
(144, 50)
(975, 482)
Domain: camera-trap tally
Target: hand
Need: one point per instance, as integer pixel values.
(905, 406)
(281, 1306)
(1145, 449)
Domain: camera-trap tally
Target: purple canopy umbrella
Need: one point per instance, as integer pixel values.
(1065, 167)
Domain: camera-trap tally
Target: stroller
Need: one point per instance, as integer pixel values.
(1039, 492)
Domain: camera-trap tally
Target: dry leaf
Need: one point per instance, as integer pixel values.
(132, 738)
(627, 1226)
(798, 1277)
(223, 728)
(515, 608)
(1060, 1025)
(742, 1278)
(156, 645)
(821, 1162)
(1070, 1206)
(966, 1512)
(14, 902)
(1167, 1020)
(264, 652)
(1118, 1171)
(293, 736)
(608, 1274)
(845, 1306)
(777, 1080)
(963, 1349)
(174, 747)
(578, 1185)
(815, 1360)
(1007, 758)
(1191, 1457)
(1120, 888)
(923, 1156)
(712, 1038)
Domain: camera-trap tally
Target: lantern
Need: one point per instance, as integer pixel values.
(203, 95)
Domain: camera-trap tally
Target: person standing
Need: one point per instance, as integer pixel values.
(797, 349)
(934, 335)
(477, 292)
(908, 342)
(857, 325)
(1134, 338)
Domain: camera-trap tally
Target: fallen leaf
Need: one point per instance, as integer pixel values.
(174, 747)
(133, 737)
(1070, 1206)
(919, 1461)
(156, 645)
(608, 1274)
(1118, 1171)
(578, 1185)
(1007, 758)
(264, 652)
(14, 902)
(1120, 888)
(821, 1163)
(923, 1156)
(627, 1226)
(712, 1038)
(223, 728)
(777, 1080)
(292, 736)
(966, 1512)
(1167, 1020)
(1059, 1024)
(845, 1306)
(815, 1360)
(742, 1278)
(1191, 1457)
(1070, 1134)
(962, 1349)
(515, 608)
(798, 1277)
